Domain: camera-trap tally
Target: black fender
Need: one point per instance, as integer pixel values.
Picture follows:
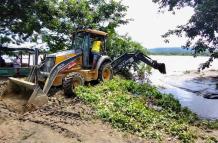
(101, 60)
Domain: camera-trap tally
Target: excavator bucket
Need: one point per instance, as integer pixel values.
(22, 96)
(162, 68)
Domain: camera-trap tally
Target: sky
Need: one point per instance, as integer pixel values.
(149, 24)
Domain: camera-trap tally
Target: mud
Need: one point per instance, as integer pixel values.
(62, 120)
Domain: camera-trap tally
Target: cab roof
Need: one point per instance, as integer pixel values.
(93, 31)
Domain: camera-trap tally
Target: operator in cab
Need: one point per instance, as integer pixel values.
(96, 49)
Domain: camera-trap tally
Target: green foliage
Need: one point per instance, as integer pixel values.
(140, 109)
(202, 27)
(212, 125)
(209, 124)
(53, 21)
(118, 45)
(211, 140)
(183, 132)
(142, 69)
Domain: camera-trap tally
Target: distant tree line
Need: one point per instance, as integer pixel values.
(174, 51)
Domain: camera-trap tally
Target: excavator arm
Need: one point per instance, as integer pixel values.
(129, 58)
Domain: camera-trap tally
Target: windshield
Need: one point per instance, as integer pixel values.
(78, 41)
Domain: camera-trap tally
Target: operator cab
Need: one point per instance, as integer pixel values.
(82, 43)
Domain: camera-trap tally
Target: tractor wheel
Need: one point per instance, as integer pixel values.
(71, 81)
(105, 72)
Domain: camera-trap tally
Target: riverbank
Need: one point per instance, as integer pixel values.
(188, 85)
(120, 111)
(141, 110)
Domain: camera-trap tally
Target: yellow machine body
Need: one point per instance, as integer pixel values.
(69, 69)
(88, 74)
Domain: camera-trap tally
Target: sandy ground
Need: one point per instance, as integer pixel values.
(61, 120)
(68, 120)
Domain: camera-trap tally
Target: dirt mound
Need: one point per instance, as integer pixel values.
(61, 120)
(12, 101)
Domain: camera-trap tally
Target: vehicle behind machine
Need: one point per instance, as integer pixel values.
(15, 62)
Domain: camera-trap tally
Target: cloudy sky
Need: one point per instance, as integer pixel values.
(149, 25)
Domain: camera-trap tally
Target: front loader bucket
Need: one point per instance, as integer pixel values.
(23, 96)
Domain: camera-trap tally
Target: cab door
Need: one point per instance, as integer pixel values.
(86, 51)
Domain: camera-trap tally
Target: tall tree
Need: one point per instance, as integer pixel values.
(53, 21)
(118, 45)
(201, 29)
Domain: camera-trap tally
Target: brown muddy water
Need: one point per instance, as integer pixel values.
(188, 85)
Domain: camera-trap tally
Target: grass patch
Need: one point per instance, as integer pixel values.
(140, 109)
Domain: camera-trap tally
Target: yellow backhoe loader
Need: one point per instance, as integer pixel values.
(69, 69)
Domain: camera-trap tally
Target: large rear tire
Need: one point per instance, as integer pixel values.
(105, 72)
(70, 82)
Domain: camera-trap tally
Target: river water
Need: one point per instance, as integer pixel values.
(187, 85)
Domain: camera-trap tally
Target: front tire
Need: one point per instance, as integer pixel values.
(105, 72)
(70, 82)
